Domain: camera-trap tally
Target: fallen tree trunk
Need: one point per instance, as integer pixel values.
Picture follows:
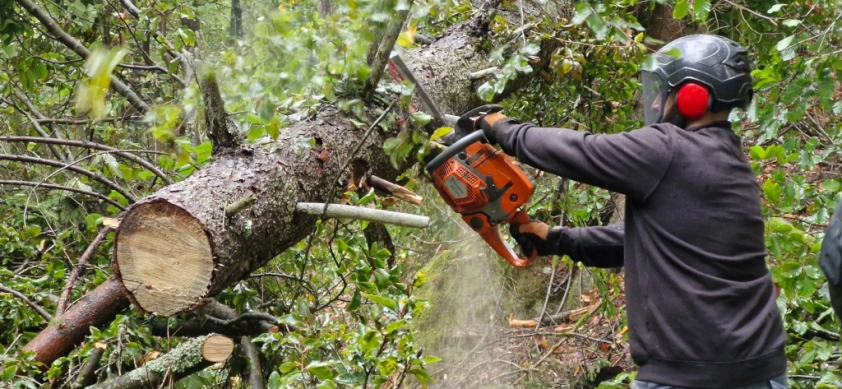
(177, 247)
(188, 357)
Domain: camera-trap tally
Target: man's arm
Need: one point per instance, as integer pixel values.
(594, 246)
(631, 163)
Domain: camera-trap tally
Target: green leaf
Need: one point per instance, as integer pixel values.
(351, 379)
(682, 8)
(420, 118)
(382, 301)
(274, 381)
(486, 92)
(396, 325)
(99, 66)
(440, 132)
(8, 374)
(530, 49)
(93, 220)
(674, 52)
(831, 185)
(431, 359)
(422, 376)
(288, 366)
(772, 191)
(783, 44)
(598, 25)
(775, 8)
(356, 301)
(583, 10)
(791, 22)
(321, 369)
(701, 10)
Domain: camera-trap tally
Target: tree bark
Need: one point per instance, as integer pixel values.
(66, 331)
(235, 29)
(190, 356)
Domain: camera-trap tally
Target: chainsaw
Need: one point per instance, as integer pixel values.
(484, 185)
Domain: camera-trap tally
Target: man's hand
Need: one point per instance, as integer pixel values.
(536, 235)
(481, 118)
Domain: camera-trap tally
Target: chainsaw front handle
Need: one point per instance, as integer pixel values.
(454, 149)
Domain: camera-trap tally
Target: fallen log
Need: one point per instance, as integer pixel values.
(188, 357)
(178, 246)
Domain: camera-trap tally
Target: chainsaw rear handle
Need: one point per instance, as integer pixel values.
(454, 149)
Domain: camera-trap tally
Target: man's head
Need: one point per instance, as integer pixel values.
(694, 76)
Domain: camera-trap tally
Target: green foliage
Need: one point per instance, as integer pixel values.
(348, 311)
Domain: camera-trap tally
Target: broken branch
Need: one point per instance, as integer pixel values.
(40, 185)
(359, 213)
(29, 302)
(190, 356)
(62, 302)
(395, 189)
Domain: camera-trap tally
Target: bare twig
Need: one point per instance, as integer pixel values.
(484, 72)
(31, 107)
(547, 295)
(131, 8)
(65, 293)
(41, 185)
(279, 275)
(73, 168)
(92, 145)
(29, 302)
(87, 374)
(741, 8)
(77, 47)
(384, 51)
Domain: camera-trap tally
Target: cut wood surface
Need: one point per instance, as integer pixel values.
(217, 348)
(185, 359)
(166, 248)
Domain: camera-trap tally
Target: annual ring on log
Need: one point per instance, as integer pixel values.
(163, 258)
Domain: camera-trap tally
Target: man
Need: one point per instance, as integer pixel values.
(830, 259)
(700, 300)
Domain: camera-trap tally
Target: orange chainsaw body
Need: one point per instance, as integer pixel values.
(487, 187)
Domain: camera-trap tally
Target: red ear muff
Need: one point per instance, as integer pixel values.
(692, 100)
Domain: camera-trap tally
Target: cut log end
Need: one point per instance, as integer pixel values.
(217, 348)
(163, 258)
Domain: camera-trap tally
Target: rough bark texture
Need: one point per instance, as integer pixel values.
(303, 165)
(66, 331)
(185, 359)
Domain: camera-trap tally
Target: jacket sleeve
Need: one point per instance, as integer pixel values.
(631, 163)
(594, 246)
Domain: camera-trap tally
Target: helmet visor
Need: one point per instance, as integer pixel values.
(654, 97)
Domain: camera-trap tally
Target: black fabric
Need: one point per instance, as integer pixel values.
(700, 300)
(830, 259)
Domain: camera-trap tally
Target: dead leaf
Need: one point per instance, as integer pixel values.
(148, 357)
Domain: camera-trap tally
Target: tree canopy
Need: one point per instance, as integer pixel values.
(106, 103)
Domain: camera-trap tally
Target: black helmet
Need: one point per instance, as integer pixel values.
(718, 63)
